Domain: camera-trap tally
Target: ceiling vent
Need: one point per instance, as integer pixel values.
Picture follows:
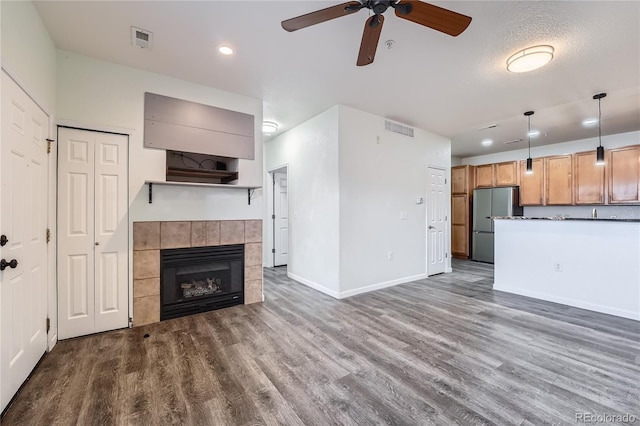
(513, 141)
(141, 38)
(398, 128)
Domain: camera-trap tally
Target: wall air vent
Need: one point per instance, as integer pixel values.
(513, 141)
(398, 128)
(141, 38)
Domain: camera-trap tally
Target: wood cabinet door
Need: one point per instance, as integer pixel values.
(484, 176)
(624, 175)
(460, 226)
(506, 174)
(559, 182)
(588, 179)
(532, 185)
(459, 179)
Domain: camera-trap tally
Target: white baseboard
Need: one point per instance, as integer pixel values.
(570, 302)
(379, 286)
(314, 285)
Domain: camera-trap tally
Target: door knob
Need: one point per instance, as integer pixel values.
(432, 227)
(3, 240)
(97, 243)
(12, 264)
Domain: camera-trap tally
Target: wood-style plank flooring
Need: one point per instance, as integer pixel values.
(440, 351)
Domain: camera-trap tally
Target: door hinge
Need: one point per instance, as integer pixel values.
(48, 324)
(273, 216)
(273, 250)
(49, 141)
(446, 255)
(130, 322)
(445, 180)
(48, 237)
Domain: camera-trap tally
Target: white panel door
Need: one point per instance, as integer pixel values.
(281, 222)
(23, 288)
(92, 232)
(436, 221)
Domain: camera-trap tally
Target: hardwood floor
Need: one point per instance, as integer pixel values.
(444, 350)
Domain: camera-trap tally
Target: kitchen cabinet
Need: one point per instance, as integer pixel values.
(532, 185)
(558, 186)
(462, 179)
(462, 184)
(588, 179)
(460, 225)
(485, 176)
(624, 175)
(506, 174)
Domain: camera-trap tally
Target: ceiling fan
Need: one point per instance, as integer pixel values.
(426, 14)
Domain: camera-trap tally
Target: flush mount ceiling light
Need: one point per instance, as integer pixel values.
(600, 149)
(530, 59)
(225, 50)
(269, 127)
(529, 171)
(487, 142)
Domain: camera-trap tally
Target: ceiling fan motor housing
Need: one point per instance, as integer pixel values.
(378, 6)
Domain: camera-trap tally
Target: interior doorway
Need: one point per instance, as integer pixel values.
(436, 221)
(279, 209)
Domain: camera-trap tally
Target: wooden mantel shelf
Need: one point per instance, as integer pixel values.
(249, 189)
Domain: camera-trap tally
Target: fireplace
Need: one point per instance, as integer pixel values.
(200, 279)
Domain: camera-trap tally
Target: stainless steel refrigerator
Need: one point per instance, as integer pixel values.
(487, 203)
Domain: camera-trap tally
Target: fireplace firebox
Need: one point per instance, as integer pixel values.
(200, 279)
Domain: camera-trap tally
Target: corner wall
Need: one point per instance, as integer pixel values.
(382, 174)
(311, 152)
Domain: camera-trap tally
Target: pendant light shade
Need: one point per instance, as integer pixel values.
(529, 171)
(600, 149)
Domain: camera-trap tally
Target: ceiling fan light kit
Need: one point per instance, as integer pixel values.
(530, 59)
(425, 14)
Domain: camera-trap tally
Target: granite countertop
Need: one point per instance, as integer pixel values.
(590, 219)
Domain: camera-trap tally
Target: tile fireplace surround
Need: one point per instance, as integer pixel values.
(150, 237)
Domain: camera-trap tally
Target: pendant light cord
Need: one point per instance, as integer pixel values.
(599, 123)
(529, 135)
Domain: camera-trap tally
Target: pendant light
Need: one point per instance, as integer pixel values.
(600, 149)
(529, 171)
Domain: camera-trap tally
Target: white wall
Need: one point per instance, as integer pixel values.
(29, 57)
(381, 174)
(311, 152)
(609, 142)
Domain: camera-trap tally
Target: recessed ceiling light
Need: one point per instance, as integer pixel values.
(269, 127)
(225, 50)
(487, 142)
(530, 59)
(533, 133)
(590, 122)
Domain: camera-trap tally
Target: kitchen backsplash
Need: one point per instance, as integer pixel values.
(620, 212)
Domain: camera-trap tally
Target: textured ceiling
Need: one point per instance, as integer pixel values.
(450, 86)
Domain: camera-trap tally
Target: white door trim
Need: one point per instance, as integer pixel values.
(268, 257)
(447, 213)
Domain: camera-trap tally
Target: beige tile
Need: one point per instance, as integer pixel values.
(232, 232)
(146, 235)
(252, 231)
(175, 234)
(252, 291)
(253, 254)
(198, 234)
(146, 310)
(146, 264)
(146, 287)
(252, 273)
(212, 231)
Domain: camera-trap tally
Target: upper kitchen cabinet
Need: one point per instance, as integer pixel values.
(559, 183)
(624, 175)
(485, 176)
(588, 179)
(532, 185)
(506, 174)
(462, 179)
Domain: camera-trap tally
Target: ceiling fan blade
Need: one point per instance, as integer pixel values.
(370, 37)
(321, 15)
(429, 15)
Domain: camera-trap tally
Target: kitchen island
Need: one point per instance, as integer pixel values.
(587, 263)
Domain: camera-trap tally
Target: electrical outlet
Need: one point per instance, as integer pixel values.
(557, 267)
(390, 255)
